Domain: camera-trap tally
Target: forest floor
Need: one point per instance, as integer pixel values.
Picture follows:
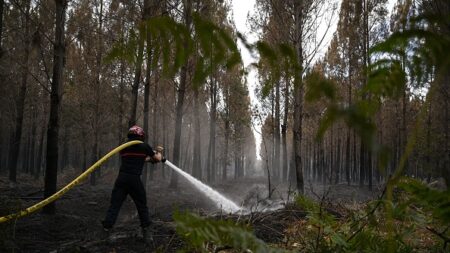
(76, 227)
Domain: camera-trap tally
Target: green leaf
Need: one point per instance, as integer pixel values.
(197, 231)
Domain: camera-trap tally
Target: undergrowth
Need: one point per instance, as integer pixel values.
(421, 218)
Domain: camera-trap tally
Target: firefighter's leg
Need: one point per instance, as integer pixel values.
(118, 195)
(139, 197)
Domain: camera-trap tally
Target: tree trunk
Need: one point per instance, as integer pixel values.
(180, 102)
(284, 130)
(277, 132)
(20, 102)
(94, 158)
(2, 3)
(146, 103)
(298, 99)
(97, 92)
(136, 81)
(338, 161)
(37, 169)
(362, 159)
(212, 132)
(65, 151)
(156, 115)
(55, 101)
(227, 98)
(225, 152)
(445, 165)
(197, 166)
(354, 160)
(120, 127)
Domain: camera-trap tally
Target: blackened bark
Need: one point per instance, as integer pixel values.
(227, 132)
(197, 166)
(284, 130)
(136, 81)
(156, 116)
(146, 110)
(97, 92)
(2, 2)
(225, 152)
(362, 160)
(212, 132)
(37, 169)
(55, 101)
(445, 92)
(298, 99)
(20, 102)
(180, 102)
(120, 128)
(276, 157)
(338, 161)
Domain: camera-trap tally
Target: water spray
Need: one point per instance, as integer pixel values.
(221, 201)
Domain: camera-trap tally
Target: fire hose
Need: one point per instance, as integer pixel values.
(69, 186)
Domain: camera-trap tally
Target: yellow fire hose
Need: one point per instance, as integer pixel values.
(66, 188)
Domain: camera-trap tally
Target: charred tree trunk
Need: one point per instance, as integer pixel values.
(20, 102)
(284, 130)
(146, 102)
(354, 160)
(121, 128)
(338, 161)
(197, 160)
(136, 81)
(298, 99)
(211, 176)
(227, 132)
(2, 3)
(97, 94)
(55, 101)
(37, 169)
(225, 152)
(156, 111)
(445, 166)
(277, 143)
(362, 159)
(180, 102)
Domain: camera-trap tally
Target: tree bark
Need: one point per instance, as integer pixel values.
(136, 81)
(20, 102)
(180, 102)
(146, 16)
(445, 165)
(298, 99)
(197, 160)
(284, 130)
(212, 132)
(37, 169)
(2, 3)
(277, 143)
(55, 101)
(97, 92)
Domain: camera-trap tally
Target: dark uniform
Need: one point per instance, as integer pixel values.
(129, 182)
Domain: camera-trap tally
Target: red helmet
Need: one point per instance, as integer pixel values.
(136, 131)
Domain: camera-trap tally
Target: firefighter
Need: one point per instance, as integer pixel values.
(129, 182)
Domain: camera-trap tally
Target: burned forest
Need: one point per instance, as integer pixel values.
(224, 126)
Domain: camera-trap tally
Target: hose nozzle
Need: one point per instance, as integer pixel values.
(160, 149)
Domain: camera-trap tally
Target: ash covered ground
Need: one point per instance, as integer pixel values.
(76, 227)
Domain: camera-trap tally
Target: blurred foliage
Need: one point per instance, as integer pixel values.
(198, 231)
(173, 43)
